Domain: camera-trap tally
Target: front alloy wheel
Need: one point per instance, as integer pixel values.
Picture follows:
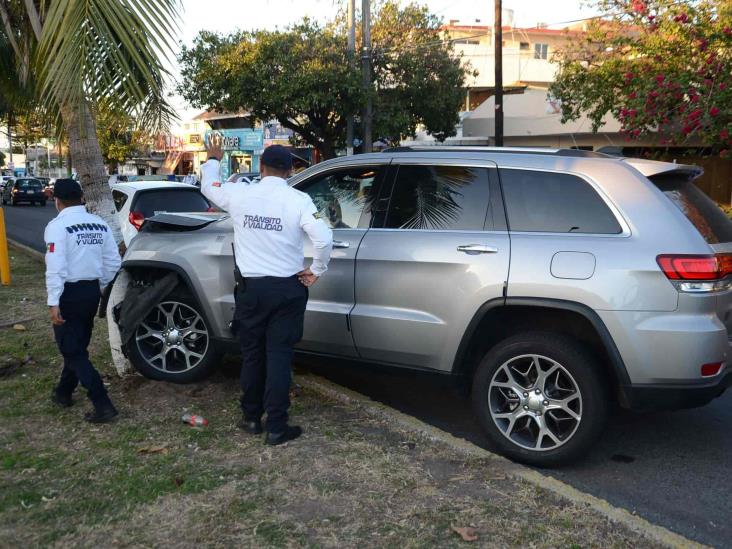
(173, 343)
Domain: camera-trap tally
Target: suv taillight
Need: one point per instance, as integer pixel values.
(696, 273)
(136, 220)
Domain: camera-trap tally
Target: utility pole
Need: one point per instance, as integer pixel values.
(498, 48)
(366, 73)
(351, 62)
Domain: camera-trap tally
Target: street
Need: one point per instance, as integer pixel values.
(668, 467)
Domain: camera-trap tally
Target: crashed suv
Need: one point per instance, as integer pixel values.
(557, 282)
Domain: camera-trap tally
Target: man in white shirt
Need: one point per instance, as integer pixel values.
(81, 259)
(271, 220)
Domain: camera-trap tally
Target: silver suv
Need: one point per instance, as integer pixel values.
(558, 282)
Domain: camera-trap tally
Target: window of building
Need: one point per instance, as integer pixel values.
(551, 202)
(523, 45)
(467, 41)
(186, 127)
(439, 198)
(343, 197)
(541, 51)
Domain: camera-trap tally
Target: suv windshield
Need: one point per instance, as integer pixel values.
(708, 218)
(149, 203)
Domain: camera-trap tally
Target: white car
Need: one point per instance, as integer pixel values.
(140, 200)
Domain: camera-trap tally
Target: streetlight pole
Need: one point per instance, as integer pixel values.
(351, 60)
(366, 73)
(498, 48)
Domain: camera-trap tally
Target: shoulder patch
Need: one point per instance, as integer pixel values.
(216, 184)
(317, 215)
(51, 247)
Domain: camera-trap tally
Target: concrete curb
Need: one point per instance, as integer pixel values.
(35, 254)
(635, 523)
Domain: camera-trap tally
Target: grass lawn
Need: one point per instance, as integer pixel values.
(149, 480)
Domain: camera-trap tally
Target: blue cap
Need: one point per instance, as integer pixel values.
(67, 189)
(278, 157)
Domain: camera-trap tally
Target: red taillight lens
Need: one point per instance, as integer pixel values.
(695, 267)
(210, 209)
(711, 369)
(136, 220)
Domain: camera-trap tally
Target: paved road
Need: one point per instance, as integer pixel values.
(672, 468)
(25, 224)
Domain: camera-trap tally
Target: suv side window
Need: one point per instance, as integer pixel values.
(119, 199)
(439, 198)
(549, 202)
(344, 198)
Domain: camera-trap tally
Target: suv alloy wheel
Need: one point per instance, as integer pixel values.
(173, 342)
(540, 398)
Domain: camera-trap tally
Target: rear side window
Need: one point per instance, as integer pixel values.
(704, 214)
(119, 199)
(148, 203)
(439, 198)
(549, 202)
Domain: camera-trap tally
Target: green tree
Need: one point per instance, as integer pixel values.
(302, 78)
(82, 51)
(658, 67)
(120, 138)
(2, 159)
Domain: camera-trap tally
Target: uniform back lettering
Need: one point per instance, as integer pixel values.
(263, 223)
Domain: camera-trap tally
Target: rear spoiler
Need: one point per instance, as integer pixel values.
(651, 168)
(181, 221)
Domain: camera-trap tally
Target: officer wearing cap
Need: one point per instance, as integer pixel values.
(81, 258)
(271, 220)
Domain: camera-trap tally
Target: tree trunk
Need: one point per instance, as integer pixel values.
(86, 156)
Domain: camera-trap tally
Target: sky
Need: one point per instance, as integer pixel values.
(228, 15)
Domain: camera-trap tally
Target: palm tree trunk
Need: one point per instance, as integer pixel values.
(86, 156)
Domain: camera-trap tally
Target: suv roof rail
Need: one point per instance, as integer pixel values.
(576, 153)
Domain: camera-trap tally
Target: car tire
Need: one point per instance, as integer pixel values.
(155, 360)
(551, 427)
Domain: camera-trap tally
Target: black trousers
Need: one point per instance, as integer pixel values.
(270, 312)
(78, 305)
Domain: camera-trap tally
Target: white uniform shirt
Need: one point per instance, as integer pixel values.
(79, 246)
(270, 221)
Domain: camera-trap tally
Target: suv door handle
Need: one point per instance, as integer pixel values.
(341, 244)
(474, 249)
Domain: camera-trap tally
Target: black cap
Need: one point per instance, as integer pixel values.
(67, 189)
(278, 157)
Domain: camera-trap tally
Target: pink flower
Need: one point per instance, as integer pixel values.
(724, 134)
(723, 86)
(714, 111)
(628, 76)
(727, 31)
(724, 153)
(632, 95)
(660, 78)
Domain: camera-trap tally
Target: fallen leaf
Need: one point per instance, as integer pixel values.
(153, 449)
(465, 532)
(19, 327)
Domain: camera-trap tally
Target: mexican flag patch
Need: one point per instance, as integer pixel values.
(50, 247)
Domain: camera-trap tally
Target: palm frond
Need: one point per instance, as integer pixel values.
(92, 50)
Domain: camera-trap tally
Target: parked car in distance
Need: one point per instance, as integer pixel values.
(244, 177)
(137, 201)
(24, 189)
(554, 283)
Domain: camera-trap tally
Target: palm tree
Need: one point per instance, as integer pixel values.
(80, 52)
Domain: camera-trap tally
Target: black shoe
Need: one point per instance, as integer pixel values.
(253, 427)
(65, 401)
(102, 415)
(290, 433)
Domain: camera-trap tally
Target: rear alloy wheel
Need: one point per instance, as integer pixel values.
(173, 343)
(540, 398)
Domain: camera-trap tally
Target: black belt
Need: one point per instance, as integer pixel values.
(270, 277)
(82, 283)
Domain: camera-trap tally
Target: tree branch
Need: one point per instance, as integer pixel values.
(9, 29)
(35, 19)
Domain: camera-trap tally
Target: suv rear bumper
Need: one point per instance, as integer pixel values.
(674, 397)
